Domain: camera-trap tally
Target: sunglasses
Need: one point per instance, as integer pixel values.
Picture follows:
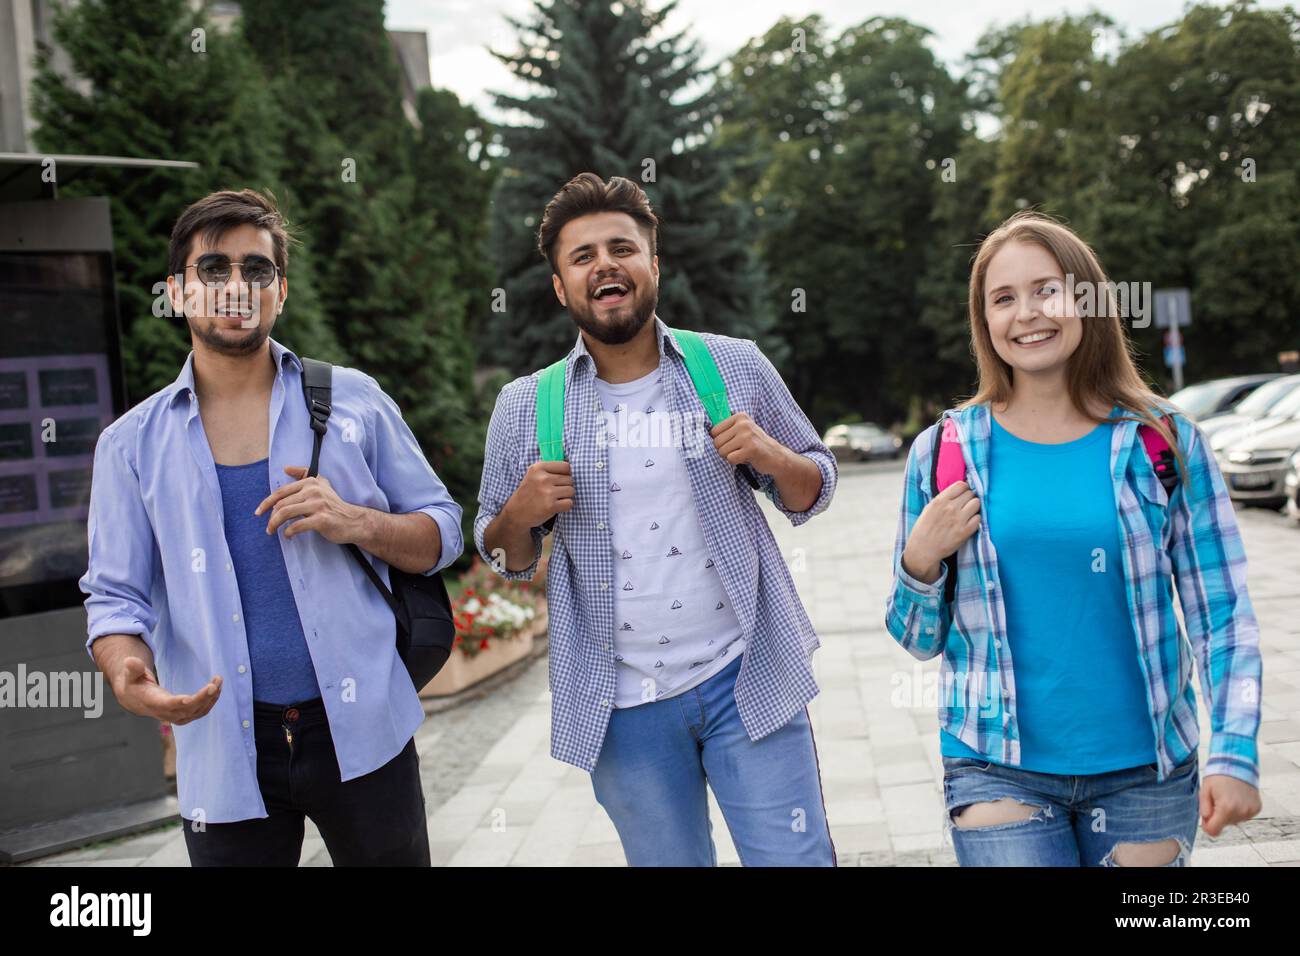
(214, 268)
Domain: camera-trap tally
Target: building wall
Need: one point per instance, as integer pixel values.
(17, 44)
(411, 47)
(26, 23)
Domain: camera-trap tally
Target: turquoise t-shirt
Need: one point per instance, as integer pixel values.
(1080, 697)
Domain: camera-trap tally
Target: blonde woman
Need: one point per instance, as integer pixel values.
(1068, 725)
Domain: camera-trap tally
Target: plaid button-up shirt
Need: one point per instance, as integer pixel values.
(776, 678)
(1189, 538)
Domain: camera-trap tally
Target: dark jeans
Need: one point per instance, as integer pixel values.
(374, 820)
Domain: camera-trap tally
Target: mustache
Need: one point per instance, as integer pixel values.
(624, 322)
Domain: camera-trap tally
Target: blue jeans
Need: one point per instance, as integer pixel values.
(657, 756)
(1077, 820)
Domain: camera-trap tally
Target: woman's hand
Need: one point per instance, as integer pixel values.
(1226, 800)
(952, 516)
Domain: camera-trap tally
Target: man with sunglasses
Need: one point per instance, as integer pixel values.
(219, 596)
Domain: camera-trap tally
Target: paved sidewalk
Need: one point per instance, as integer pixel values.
(497, 798)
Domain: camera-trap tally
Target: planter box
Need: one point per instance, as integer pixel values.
(463, 671)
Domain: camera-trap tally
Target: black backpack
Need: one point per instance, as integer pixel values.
(425, 630)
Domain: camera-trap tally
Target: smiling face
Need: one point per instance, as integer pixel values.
(1031, 319)
(234, 317)
(606, 275)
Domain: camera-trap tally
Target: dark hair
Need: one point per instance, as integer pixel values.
(587, 193)
(216, 213)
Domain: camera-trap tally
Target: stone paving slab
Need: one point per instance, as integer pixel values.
(497, 798)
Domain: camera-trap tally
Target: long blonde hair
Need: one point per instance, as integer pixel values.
(1101, 370)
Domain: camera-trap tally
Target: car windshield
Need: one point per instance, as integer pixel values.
(868, 431)
(1262, 399)
(1289, 407)
(1198, 400)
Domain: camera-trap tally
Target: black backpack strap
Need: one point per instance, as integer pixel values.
(934, 459)
(317, 387)
(1166, 465)
(950, 583)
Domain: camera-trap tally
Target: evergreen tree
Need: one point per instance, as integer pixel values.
(616, 96)
(452, 185)
(147, 85)
(338, 53)
(394, 217)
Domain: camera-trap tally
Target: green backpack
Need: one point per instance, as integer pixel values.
(699, 363)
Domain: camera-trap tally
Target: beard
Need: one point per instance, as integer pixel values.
(223, 342)
(619, 325)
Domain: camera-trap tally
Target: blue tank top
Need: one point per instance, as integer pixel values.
(277, 648)
(1080, 696)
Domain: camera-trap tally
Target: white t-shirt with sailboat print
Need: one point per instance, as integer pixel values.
(674, 626)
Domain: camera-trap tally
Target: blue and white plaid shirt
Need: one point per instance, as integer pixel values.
(776, 677)
(1191, 538)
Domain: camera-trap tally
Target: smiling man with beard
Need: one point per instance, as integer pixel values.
(219, 597)
(679, 649)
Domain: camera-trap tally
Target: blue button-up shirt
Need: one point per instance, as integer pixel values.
(776, 677)
(1189, 539)
(160, 568)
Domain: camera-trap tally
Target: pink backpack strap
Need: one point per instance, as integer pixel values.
(1161, 455)
(949, 467)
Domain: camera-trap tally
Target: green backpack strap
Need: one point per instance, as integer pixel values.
(699, 365)
(550, 412)
(709, 385)
(704, 373)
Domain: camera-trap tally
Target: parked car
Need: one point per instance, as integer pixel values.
(1285, 410)
(1206, 398)
(1255, 467)
(1256, 406)
(862, 441)
(1291, 486)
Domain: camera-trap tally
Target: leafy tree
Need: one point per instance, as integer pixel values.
(849, 135)
(1206, 180)
(1172, 157)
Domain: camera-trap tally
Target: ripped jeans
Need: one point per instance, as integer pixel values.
(1076, 820)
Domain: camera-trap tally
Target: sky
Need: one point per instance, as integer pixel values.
(461, 31)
